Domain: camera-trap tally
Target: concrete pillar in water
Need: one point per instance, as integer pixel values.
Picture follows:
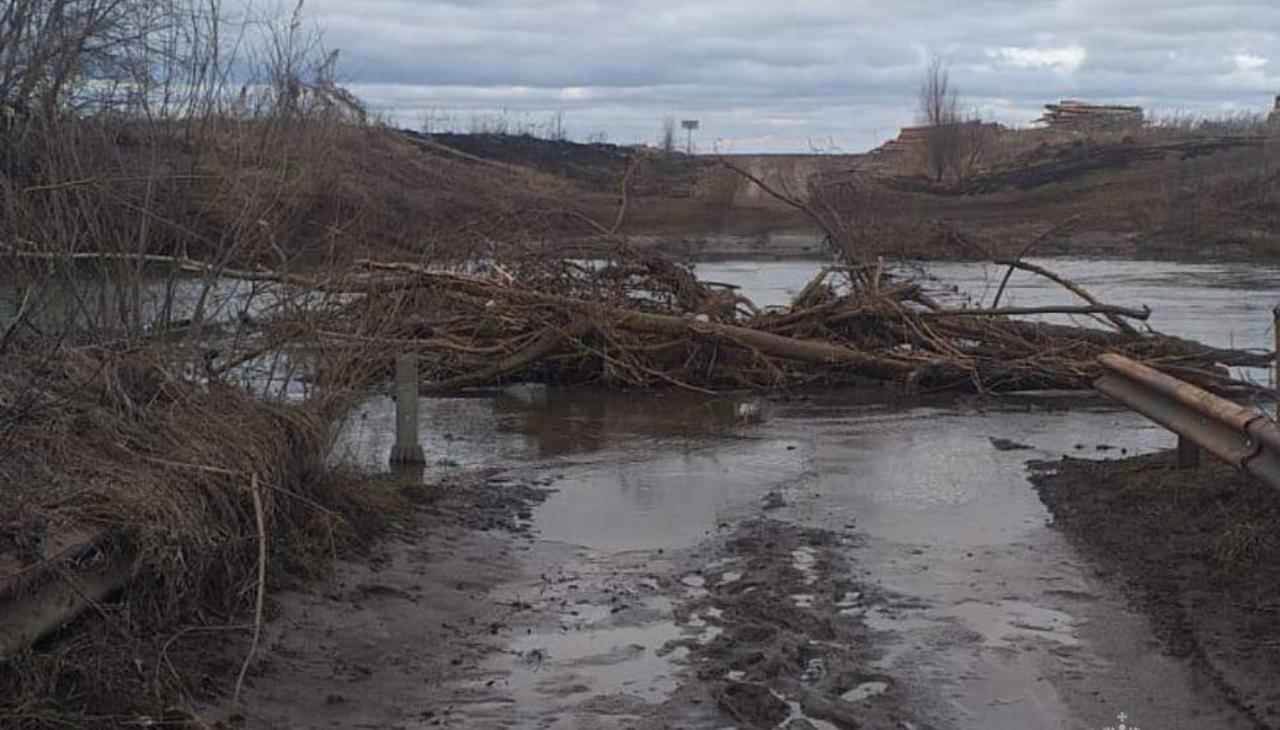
(1275, 330)
(407, 450)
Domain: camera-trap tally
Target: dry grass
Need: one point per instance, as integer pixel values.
(117, 444)
(305, 193)
(1245, 543)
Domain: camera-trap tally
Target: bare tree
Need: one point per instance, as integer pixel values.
(954, 144)
(556, 131)
(939, 100)
(48, 46)
(668, 141)
(975, 141)
(939, 113)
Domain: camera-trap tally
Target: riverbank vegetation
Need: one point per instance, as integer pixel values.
(140, 444)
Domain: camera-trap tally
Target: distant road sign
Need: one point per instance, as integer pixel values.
(689, 125)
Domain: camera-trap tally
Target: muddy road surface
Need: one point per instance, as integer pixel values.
(664, 561)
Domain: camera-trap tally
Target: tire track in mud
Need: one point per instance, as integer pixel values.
(791, 649)
(760, 625)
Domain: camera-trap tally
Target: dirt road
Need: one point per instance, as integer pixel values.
(697, 563)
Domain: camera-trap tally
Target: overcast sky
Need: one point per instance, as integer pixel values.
(782, 75)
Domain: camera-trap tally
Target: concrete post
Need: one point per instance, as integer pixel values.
(1275, 329)
(1188, 453)
(407, 450)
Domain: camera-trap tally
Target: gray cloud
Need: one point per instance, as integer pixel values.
(776, 76)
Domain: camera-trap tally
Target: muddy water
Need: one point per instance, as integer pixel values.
(1226, 305)
(979, 614)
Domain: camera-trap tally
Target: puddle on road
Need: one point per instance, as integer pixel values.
(995, 621)
(1006, 623)
(534, 424)
(658, 499)
(600, 668)
(596, 660)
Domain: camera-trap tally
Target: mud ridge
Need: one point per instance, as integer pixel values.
(791, 650)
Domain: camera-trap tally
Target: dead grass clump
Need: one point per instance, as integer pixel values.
(161, 473)
(1245, 543)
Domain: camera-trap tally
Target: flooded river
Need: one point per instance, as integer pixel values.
(974, 611)
(1225, 305)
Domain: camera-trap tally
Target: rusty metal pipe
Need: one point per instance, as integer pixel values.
(1265, 464)
(1224, 442)
(1246, 439)
(1201, 401)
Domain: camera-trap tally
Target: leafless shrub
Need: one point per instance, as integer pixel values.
(142, 128)
(49, 47)
(498, 123)
(939, 113)
(1243, 123)
(556, 130)
(954, 145)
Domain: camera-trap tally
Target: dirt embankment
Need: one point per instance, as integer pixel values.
(1198, 549)
(1186, 199)
(325, 190)
(1164, 195)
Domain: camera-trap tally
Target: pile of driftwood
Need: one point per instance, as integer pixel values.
(638, 321)
(644, 322)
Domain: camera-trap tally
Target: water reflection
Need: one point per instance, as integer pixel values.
(583, 421)
(91, 303)
(536, 422)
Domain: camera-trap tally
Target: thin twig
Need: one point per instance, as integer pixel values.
(262, 587)
(1027, 249)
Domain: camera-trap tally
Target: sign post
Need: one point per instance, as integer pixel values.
(689, 125)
